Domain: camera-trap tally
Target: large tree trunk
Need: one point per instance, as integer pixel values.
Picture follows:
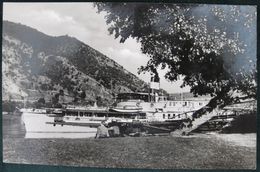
(201, 116)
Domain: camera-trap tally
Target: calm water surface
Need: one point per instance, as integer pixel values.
(13, 126)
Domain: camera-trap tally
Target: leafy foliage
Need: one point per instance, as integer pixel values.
(212, 46)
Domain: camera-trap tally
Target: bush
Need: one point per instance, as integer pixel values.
(245, 123)
(10, 106)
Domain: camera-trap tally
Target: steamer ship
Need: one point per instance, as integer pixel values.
(81, 122)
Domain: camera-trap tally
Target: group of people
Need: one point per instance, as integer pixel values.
(104, 131)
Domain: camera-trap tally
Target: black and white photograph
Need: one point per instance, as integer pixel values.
(130, 85)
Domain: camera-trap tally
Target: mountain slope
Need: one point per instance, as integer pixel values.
(37, 65)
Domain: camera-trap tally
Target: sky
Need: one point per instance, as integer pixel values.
(81, 20)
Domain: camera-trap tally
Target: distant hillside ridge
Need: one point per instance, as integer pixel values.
(36, 65)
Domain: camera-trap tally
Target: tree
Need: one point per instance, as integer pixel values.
(61, 93)
(99, 101)
(40, 103)
(41, 100)
(83, 95)
(55, 99)
(213, 47)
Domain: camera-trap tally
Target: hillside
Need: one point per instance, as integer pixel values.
(36, 65)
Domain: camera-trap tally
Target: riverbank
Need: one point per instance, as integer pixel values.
(164, 152)
(198, 151)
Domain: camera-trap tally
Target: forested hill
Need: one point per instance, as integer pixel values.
(36, 65)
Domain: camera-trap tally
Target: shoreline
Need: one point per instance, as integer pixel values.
(198, 151)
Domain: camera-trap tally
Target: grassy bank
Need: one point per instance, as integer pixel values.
(142, 152)
(199, 151)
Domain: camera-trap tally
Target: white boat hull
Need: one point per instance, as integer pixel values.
(36, 127)
(126, 110)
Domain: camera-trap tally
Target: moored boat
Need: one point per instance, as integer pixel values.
(81, 122)
(160, 109)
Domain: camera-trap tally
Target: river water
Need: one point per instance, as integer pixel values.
(13, 127)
